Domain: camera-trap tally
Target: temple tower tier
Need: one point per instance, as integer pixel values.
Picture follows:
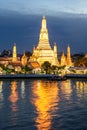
(44, 37)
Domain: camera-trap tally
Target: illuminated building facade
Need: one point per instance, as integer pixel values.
(43, 52)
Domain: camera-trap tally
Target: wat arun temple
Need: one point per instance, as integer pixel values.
(41, 53)
(44, 52)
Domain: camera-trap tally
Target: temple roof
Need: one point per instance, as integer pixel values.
(34, 64)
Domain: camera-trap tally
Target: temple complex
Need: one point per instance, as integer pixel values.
(43, 52)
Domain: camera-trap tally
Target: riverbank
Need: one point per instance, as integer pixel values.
(32, 76)
(42, 76)
(76, 76)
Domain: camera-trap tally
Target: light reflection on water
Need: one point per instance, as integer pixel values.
(13, 97)
(43, 105)
(45, 99)
(22, 89)
(66, 89)
(1, 94)
(81, 88)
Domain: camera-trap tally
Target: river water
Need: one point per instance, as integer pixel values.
(43, 105)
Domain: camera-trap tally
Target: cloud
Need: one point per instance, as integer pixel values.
(30, 6)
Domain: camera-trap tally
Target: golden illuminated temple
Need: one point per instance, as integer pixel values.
(43, 52)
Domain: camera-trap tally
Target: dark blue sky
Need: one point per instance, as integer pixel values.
(20, 22)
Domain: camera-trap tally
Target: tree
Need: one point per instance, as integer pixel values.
(61, 69)
(46, 66)
(26, 69)
(54, 69)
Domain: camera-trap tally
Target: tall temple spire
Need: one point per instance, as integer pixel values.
(63, 59)
(43, 37)
(69, 62)
(43, 52)
(55, 54)
(44, 24)
(14, 57)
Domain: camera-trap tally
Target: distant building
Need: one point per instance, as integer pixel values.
(78, 70)
(85, 55)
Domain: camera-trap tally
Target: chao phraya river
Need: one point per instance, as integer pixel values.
(43, 105)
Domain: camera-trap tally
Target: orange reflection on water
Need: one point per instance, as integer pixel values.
(66, 89)
(1, 94)
(46, 102)
(1, 91)
(81, 88)
(14, 95)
